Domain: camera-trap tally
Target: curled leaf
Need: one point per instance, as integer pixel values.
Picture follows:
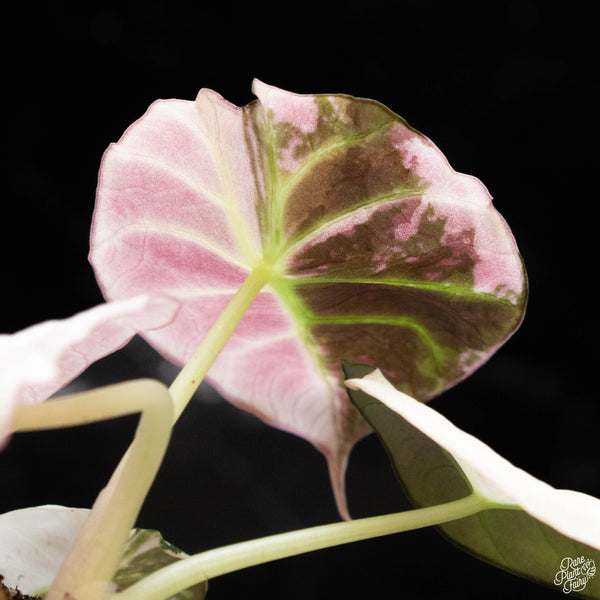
(379, 251)
(533, 527)
(41, 359)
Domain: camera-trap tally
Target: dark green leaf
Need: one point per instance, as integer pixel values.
(509, 538)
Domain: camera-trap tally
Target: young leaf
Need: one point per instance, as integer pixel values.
(35, 541)
(378, 251)
(43, 358)
(532, 526)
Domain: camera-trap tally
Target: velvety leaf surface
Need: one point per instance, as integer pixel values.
(39, 360)
(436, 462)
(36, 540)
(379, 251)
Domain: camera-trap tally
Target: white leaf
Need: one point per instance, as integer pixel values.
(574, 514)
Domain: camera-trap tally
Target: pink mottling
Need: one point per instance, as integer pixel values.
(449, 262)
(168, 192)
(339, 105)
(501, 275)
(424, 158)
(485, 236)
(466, 205)
(470, 360)
(287, 160)
(406, 224)
(298, 109)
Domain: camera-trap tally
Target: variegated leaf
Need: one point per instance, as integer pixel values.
(36, 540)
(379, 251)
(531, 529)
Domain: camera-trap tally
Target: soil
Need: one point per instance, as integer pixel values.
(7, 593)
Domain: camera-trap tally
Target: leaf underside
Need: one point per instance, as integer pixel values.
(509, 539)
(379, 251)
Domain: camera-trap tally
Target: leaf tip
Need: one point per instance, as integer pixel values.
(337, 475)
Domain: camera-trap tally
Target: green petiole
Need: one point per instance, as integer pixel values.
(204, 566)
(189, 378)
(94, 556)
(88, 569)
(92, 560)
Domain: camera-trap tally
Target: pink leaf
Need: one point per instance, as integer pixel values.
(379, 251)
(43, 358)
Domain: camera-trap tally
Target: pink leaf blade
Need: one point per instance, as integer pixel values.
(270, 371)
(43, 358)
(380, 251)
(141, 259)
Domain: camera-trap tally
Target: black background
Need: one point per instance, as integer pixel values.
(508, 90)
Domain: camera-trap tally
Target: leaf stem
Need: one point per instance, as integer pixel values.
(212, 563)
(189, 378)
(92, 560)
(88, 568)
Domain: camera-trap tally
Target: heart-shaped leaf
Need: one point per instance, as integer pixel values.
(36, 540)
(436, 463)
(379, 252)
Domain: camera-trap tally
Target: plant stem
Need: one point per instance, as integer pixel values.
(189, 378)
(193, 570)
(88, 568)
(94, 556)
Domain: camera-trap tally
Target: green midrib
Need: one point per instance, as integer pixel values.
(297, 239)
(448, 289)
(317, 155)
(277, 249)
(279, 191)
